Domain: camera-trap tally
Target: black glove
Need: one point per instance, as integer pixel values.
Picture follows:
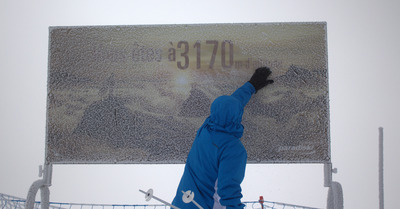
(260, 78)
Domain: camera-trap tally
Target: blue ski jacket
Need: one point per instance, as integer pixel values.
(216, 163)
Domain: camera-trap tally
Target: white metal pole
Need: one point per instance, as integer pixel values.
(149, 196)
(381, 194)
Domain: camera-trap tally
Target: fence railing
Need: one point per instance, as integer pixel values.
(10, 202)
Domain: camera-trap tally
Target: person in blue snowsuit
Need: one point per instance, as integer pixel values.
(216, 163)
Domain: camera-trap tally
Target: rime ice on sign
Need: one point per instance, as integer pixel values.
(138, 94)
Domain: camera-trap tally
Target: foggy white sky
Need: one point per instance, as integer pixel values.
(363, 54)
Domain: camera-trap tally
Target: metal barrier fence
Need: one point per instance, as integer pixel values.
(10, 202)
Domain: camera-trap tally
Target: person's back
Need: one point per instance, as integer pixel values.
(216, 163)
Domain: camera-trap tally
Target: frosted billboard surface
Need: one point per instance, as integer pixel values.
(138, 94)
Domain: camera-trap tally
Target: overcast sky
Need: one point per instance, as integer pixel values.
(363, 54)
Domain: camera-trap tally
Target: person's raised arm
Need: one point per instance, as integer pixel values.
(258, 80)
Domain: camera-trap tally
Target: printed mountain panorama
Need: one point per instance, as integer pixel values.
(289, 121)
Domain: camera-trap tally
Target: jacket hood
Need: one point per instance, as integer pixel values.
(226, 116)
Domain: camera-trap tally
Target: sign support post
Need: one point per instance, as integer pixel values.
(42, 184)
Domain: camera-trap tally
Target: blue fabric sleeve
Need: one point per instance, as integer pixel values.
(231, 173)
(244, 93)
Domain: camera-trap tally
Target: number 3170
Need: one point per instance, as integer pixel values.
(226, 53)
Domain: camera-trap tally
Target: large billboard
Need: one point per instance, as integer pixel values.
(138, 94)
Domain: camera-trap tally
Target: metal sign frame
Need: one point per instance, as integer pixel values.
(137, 94)
(296, 53)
